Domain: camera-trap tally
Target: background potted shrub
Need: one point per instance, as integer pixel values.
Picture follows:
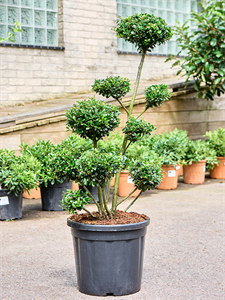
(17, 174)
(216, 142)
(95, 119)
(56, 167)
(197, 154)
(171, 148)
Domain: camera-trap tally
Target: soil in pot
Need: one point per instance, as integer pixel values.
(170, 178)
(195, 173)
(109, 258)
(218, 172)
(10, 205)
(51, 195)
(126, 185)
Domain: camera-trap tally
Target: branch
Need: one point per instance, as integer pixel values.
(132, 202)
(142, 113)
(105, 202)
(108, 192)
(122, 106)
(137, 82)
(91, 196)
(126, 197)
(89, 212)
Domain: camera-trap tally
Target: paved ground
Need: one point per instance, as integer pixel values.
(184, 249)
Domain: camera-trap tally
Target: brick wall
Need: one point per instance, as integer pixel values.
(90, 52)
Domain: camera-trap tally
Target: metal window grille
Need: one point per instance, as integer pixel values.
(169, 10)
(38, 19)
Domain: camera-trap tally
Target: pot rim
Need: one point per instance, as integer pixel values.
(220, 157)
(111, 228)
(200, 161)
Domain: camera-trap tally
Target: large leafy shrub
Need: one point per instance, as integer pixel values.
(204, 48)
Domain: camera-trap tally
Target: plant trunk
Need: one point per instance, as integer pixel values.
(116, 186)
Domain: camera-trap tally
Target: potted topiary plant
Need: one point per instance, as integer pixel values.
(216, 142)
(197, 154)
(17, 174)
(109, 243)
(56, 167)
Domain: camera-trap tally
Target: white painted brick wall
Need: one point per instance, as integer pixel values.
(90, 53)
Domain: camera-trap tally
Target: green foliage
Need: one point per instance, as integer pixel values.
(115, 87)
(198, 150)
(66, 155)
(58, 162)
(146, 174)
(12, 35)
(96, 168)
(205, 48)
(18, 173)
(216, 140)
(113, 144)
(137, 128)
(74, 201)
(156, 94)
(171, 147)
(92, 119)
(143, 30)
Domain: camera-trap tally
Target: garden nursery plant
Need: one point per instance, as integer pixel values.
(216, 142)
(105, 264)
(17, 174)
(56, 170)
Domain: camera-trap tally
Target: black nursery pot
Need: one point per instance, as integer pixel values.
(51, 196)
(10, 205)
(109, 259)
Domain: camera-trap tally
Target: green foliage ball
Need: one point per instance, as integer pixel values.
(156, 94)
(115, 87)
(143, 30)
(92, 119)
(137, 128)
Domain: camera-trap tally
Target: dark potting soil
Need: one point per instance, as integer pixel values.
(120, 218)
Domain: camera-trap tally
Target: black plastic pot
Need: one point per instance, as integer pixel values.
(109, 259)
(51, 195)
(10, 205)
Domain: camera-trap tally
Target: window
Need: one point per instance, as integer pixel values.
(38, 19)
(169, 10)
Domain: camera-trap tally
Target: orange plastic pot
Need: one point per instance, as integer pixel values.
(126, 185)
(74, 186)
(180, 170)
(195, 173)
(218, 172)
(112, 181)
(170, 178)
(33, 194)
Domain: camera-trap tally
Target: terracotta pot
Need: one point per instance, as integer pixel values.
(180, 170)
(112, 181)
(126, 185)
(170, 178)
(195, 173)
(34, 194)
(218, 172)
(74, 186)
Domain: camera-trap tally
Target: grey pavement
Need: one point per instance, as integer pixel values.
(184, 250)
